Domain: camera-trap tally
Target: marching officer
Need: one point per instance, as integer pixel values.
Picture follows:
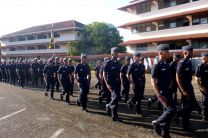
(161, 81)
(136, 72)
(143, 79)
(202, 80)
(34, 72)
(49, 74)
(124, 80)
(8, 71)
(184, 78)
(112, 80)
(83, 76)
(3, 72)
(12, 73)
(72, 76)
(64, 76)
(97, 70)
(27, 72)
(173, 67)
(40, 70)
(57, 64)
(20, 72)
(104, 92)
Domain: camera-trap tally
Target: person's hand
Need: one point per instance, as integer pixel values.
(163, 100)
(133, 86)
(109, 87)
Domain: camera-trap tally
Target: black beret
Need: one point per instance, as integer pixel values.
(163, 47)
(114, 49)
(187, 48)
(127, 58)
(136, 54)
(204, 54)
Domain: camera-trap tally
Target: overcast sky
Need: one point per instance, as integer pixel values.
(19, 14)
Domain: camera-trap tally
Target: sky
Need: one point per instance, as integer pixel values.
(20, 14)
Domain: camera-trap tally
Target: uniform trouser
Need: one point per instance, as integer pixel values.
(84, 90)
(188, 105)
(22, 79)
(50, 83)
(4, 76)
(106, 93)
(8, 76)
(137, 97)
(174, 89)
(98, 82)
(35, 77)
(40, 77)
(126, 88)
(66, 86)
(165, 119)
(205, 105)
(13, 78)
(27, 76)
(72, 87)
(1, 76)
(57, 83)
(115, 97)
(143, 86)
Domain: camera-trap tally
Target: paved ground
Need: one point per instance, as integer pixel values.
(27, 113)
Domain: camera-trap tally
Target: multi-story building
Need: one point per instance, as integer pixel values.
(33, 42)
(176, 22)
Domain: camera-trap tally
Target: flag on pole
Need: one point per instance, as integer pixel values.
(52, 42)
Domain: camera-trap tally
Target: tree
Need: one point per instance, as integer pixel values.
(97, 38)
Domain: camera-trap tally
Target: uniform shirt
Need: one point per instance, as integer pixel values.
(35, 66)
(41, 67)
(124, 70)
(8, 67)
(137, 71)
(161, 72)
(82, 70)
(184, 69)
(21, 68)
(97, 70)
(3, 67)
(49, 71)
(112, 68)
(27, 67)
(202, 73)
(64, 72)
(57, 65)
(173, 68)
(12, 68)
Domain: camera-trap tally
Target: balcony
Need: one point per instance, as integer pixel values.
(203, 28)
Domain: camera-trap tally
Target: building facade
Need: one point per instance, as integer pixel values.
(176, 22)
(33, 42)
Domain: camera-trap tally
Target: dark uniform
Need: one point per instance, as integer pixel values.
(112, 69)
(126, 83)
(27, 73)
(3, 72)
(202, 74)
(162, 75)
(184, 70)
(34, 67)
(49, 72)
(57, 65)
(40, 72)
(21, 75)
(97, 70)
(137, 71)
(65, 72)
(72, 79)
(104, 92)
(8, 71)
(81, 71)
(13, 73)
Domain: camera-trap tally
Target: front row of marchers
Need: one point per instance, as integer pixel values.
(166, 78)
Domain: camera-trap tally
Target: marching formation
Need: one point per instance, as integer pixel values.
(167, 78)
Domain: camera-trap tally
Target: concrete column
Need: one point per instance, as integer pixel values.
(154, 5)
(189, 17)
(189, 41)
(156, 25)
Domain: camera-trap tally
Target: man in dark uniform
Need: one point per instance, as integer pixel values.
(72, 76)
(124, 80)
(143, 79)
(8, 71)
(97, 70)
(64, 76)
(113, 82)
(3, 72)
(202, 80)
(57, 64)
(136, 72)
(161, 81)
(13, 73)
(83, 76)
(173, 67)
(49, 74)
(34, 72)
(40, 70)
(104, 92)
(20, 72)
(184, 78)
(27, 72)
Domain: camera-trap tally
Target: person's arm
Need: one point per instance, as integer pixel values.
(129, 76)
(121, 74)
(198, 78)
(89, 75)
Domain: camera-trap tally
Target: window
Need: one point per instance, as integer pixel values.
(21, 38)
(172, 24)
(200, 19)
(144, 7)
(42, 47)
(57, 47)
(171, 3)
(31, 48)
(56, 35)
(141, 47)
(42, 36)
(31, 37)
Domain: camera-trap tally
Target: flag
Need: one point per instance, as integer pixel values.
(52, 42)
